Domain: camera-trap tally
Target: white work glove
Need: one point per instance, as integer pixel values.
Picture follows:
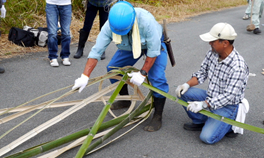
(136, 78)
(3, 12)
(81, 82)
(196, 106)
(182, 89)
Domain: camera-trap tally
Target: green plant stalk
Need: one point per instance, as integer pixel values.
(208, 113)
(33, 151)
(121, 124)
(100, 119)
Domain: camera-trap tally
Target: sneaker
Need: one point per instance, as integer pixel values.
(54, 63)
(66, 62)
(245, 17)
(256, 31)
(193, 127)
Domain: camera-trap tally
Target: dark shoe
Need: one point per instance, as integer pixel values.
(103, 56)
(2, 70)
(231, 135)
(82, 40)
(121, 103)
(256, 31)
(156, 122)
(193, 127)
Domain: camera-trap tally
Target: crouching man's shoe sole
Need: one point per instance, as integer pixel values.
(193, 127)
(231, 135)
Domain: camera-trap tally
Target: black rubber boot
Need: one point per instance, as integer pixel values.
(120, 104)
(156, 122)
(103, 56)
(82, 40)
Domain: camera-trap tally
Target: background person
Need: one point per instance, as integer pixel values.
(3, 14)
(93, 6)
(59, 10)
(2, 8)
(227, 74)
(257, 11)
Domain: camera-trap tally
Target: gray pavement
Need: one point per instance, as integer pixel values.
(30, 76)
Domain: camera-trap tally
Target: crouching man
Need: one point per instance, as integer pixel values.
(227, 74)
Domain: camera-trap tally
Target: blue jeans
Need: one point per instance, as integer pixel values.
(213, 130)
(156, 74)
(53, 14)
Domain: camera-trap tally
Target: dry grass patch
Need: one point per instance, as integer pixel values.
(173, 11)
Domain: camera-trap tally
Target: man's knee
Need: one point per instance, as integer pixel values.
(207, 139)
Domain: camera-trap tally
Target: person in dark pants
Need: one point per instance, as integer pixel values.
(93, 6)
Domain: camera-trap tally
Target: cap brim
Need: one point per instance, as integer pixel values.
(123, 32)
(207, 37)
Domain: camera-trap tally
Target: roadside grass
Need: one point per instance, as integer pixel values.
(32, 13)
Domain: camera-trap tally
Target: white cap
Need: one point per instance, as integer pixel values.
(219, 31)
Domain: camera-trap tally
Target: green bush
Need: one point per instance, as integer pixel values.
(31, 12)
(28, 12)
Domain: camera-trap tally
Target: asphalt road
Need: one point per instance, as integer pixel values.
(30, 76)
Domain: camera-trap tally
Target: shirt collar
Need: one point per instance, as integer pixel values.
(229, 58)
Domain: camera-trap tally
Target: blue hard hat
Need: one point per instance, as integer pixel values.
(121, 17)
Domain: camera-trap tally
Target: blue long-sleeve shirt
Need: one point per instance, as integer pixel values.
(150, 36)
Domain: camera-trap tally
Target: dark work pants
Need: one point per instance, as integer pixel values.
(91, 14)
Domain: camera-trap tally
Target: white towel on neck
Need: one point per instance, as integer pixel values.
(136, 43)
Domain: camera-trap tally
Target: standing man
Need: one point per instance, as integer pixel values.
(59, 11)
(3, 14)
(248, 10)
(2, 8)
(227, 74)
(136, 33)
(257, 10)
(93, 6)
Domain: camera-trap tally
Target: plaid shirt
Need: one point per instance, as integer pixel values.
(99, 3)
(227, 79)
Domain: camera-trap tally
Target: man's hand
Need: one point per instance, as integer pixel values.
(81, 82)
(182, 89)
(3, 12)
(136, 78)
(196, 106)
